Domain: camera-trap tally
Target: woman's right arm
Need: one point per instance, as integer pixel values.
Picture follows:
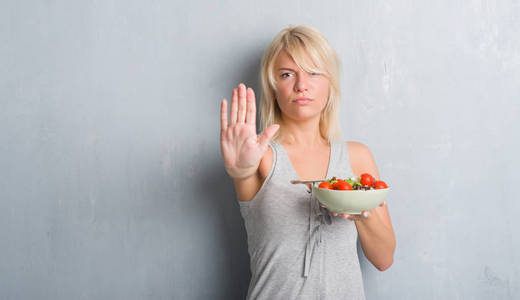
(242, 149)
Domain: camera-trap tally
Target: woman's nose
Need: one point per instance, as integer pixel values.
(301, 82)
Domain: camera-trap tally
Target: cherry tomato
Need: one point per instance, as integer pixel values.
(325, 185)
(342, 185)
(379, 184)
(366, 179)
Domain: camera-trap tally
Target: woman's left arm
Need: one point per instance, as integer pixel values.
(375, 228)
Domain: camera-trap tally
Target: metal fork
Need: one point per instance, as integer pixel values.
(309, 190)
(306, 181)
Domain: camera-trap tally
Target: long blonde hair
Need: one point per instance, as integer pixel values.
(295, 41)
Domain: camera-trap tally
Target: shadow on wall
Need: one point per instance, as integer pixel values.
(219, 192)
(220, 197)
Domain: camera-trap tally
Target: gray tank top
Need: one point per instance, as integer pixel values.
(297, 249)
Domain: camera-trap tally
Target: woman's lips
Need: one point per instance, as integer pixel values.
(302, 100)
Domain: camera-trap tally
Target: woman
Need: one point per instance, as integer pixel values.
(298, 249)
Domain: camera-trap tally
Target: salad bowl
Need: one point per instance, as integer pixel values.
(352, 202)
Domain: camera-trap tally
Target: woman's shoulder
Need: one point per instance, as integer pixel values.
(355, 147)
(361, 158)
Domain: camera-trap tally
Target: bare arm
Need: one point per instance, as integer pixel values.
(242, 149)
(247, 188)
(375, 232)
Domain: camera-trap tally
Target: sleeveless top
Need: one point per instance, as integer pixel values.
(297, 249)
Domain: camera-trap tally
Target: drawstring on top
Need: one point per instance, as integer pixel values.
(318, 216)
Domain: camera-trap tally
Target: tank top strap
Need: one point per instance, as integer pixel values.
(283, 167)
(274, 145)
(340, 166)
(333, 160)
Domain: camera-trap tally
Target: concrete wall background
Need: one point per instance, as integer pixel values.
(111, 180)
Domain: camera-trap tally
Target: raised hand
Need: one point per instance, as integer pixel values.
(242, 149)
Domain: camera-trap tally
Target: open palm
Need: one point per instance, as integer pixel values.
(242, 149)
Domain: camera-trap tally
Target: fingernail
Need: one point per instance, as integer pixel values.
(365, 214)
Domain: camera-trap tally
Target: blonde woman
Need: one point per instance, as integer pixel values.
(299, 250)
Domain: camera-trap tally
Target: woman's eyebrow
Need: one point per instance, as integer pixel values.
(285, 69)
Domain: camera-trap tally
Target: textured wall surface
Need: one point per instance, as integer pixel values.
(111, 181)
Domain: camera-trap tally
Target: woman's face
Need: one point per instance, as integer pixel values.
(294, 83)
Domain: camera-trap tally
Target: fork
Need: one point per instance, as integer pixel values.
(306, 181)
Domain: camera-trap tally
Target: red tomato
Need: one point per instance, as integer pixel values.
(342, 185)
(325, 185)
(380, 185)
(366, 179)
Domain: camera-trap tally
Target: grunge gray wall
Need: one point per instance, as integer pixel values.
(111, 181)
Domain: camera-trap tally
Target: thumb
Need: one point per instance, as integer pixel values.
(268, 134)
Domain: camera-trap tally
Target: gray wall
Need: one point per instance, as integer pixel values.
(111, 180)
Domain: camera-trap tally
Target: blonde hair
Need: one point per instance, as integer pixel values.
(295, 41)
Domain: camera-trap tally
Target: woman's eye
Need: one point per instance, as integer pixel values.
(285, 75)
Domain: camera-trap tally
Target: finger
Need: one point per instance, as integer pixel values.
(223, 116)
(383, 203)
(365, 214)
(251, 107)
(347, 216)
(242, 99)
(267, 135)
(234, 107)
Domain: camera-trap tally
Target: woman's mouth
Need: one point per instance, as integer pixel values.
(302, 100)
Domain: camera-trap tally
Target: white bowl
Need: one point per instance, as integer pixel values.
(352, 202)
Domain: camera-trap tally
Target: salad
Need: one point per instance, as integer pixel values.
(363, 182)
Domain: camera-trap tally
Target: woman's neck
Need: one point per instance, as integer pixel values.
(303, 135)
